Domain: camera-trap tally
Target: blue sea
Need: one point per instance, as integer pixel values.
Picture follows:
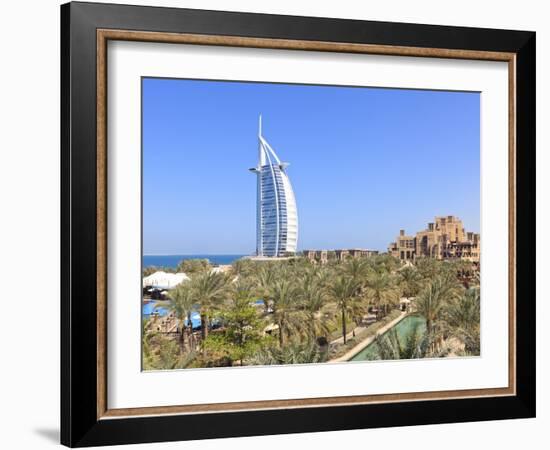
(173, 260)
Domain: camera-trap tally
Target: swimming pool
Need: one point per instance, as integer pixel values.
(148, 308)
(151, 307)
(403, 328)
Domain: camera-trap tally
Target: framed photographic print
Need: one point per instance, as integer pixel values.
(276, 224)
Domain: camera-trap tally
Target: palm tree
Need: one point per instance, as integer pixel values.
(463, 319)
(410, 281)
(286, 308)
(381, 290)
(343, 292)
(244, 267)
(356, 268)
(210, 289)
(148, 359)
(293, 353)
(313, 298)
(390, 346)
(191, 266)
(264, 279)
(431, 301)
(428, 267)
(181, 301)
(384, 263)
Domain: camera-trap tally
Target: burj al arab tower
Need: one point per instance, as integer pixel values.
(277, 216)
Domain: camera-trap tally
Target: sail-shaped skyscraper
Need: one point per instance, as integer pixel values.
(277, 216)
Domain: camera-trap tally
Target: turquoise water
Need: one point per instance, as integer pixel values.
(173, 260)
(403, 328)
(150, 307)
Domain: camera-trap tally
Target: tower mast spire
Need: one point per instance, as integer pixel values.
(261, 150)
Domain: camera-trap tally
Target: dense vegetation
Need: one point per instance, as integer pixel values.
(306, 307)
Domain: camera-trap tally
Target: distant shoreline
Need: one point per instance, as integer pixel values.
(173, 260)
(187, 255)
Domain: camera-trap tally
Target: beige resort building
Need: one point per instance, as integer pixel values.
(323, 256)
(443, 239)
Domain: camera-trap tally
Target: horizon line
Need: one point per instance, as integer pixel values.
(252, 253)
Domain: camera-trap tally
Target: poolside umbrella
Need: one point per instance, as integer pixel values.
(164, 280)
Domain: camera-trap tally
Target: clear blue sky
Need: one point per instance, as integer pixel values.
(364, 162)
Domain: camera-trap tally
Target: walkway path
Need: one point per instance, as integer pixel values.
(340, 340)
(349, 354)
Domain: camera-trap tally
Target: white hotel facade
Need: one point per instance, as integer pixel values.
(277, 215)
